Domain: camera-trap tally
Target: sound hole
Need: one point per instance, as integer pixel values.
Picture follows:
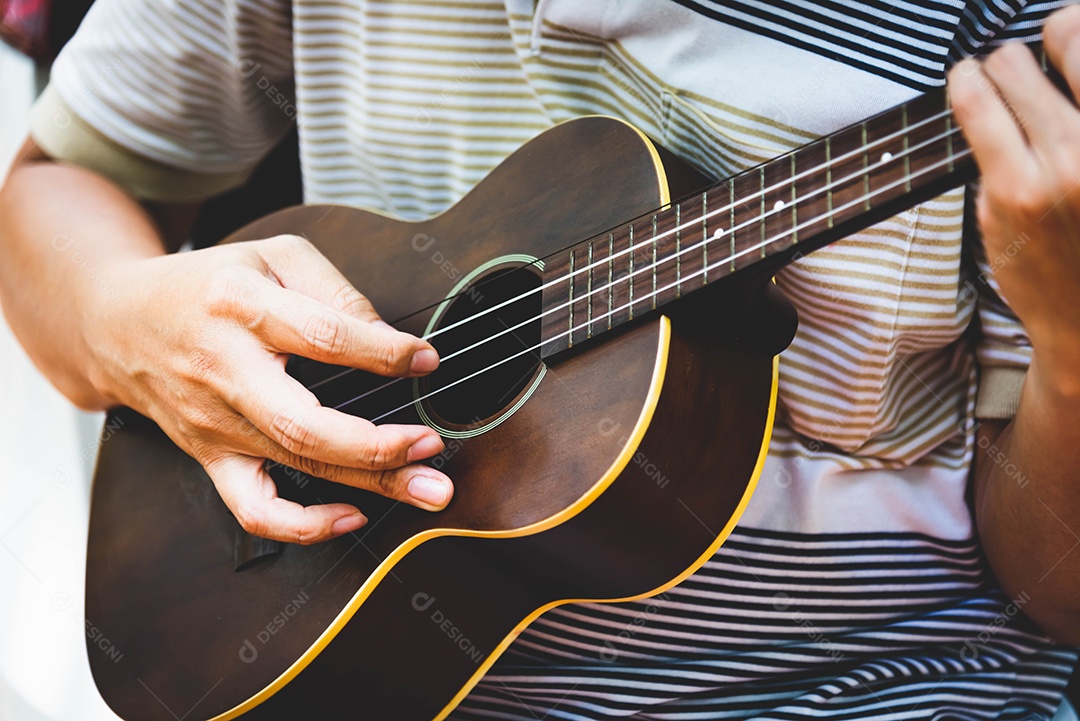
(505, 359)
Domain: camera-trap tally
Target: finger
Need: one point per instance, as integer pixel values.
(296, 324)
(1061, 39)
(1043, 114)
(299, 266)
(403, 480)
(415, 484)
(251, 495)
(996, 141)
(291, 416)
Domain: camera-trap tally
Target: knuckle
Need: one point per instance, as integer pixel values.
(380, 455)
(350, 300)
(288, 247)
(307, 535)
(1031, 200)
(201, 422)
(293, 243)
(325, 335)
(964, 99)
(1006, 56)
(318, 469)
(289, 429)
(251, 520)
(1018, 197)
(300, 243)
(202, 366)
(385, 483)
(230, 293)
(1006, 61)
(305, 465)
(394, 358)
(202, 450)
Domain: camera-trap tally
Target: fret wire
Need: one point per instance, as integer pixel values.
(828, 181)
(610, 277)
(678, 250)
(731, 232)
(847, 205)
(630, 279)
(827, 168)
(866, 168)
(570, 335)
(654, 261)
(907, 182)
(761, 219)
(830, 158)
(907, 158)
(705, 236)
(588, 307)
(932, 167)
(963, 153)
(794, 205)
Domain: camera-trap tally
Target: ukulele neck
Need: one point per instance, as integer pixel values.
(761, 219)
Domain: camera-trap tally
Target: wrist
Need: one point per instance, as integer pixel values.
(1053, 383)
(106, 313)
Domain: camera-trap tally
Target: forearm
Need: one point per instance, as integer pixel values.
(198, 342)
(1028, 501)
(62, 229)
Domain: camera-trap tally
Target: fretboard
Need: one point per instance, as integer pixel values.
(770, 214)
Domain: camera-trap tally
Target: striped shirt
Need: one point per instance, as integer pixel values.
(854, 586)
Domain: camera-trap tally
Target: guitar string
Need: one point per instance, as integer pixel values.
(626, 279)
(613, 283)
(692, 223)
(852, 203)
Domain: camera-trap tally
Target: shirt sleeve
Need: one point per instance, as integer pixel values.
(1002, 347)
(172, 99)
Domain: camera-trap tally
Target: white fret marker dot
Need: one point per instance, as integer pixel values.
(886, 157)
(778, 205)
(718, 233)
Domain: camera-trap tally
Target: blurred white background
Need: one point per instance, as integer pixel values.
(47, 450)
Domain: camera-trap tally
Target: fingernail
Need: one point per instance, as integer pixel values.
(430, 491)
(347, 524)
(425, 361)
(426, 447)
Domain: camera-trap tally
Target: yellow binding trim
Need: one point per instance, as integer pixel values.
(384, 568)
(709, 552)
(591, 495)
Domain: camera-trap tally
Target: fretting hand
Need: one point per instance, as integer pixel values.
(1025, 136)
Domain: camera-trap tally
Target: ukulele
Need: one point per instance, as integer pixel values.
(606, 394)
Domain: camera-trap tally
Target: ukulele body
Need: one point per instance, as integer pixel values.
(615, 471)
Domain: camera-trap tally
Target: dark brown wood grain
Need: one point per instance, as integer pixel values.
(198, 638)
